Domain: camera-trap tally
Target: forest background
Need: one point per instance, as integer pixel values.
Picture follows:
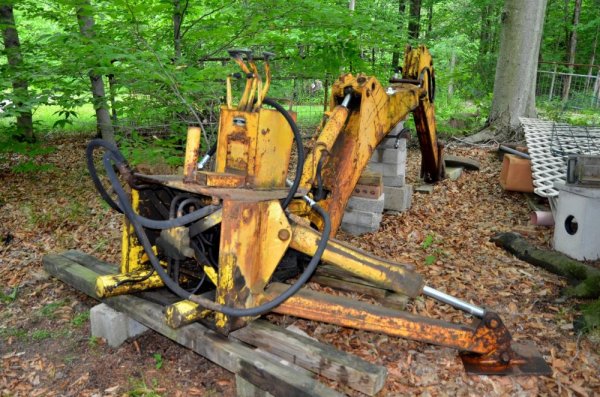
(157, 66)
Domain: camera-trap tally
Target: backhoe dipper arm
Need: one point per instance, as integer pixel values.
(362, 113)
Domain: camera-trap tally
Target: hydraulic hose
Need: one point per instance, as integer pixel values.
(89, 154)
(299, 149)
(129, 212)
(120, 161)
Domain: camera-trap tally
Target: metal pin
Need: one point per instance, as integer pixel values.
(454, 302)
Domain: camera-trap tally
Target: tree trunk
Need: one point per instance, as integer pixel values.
(112, 91)
(592, 59)
(522, 22)
(451, 74)
(178, 13)
(396, 53)
(351, 5)
(429, 18)
(14, 57)
(571, 50)
(588, 277)
(414, 21)
(103, 121)
(485, 33)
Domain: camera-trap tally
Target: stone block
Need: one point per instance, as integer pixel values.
(454, 172)
(389, 142)
(365, 204)
(396, 181)
(362, 218)
(424, 188)
(357, 230)
(387, 155)
(398, 198)
(114, 326)
(388, 169)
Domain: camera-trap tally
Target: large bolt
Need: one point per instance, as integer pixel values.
(493, 323)
(283, 234)
(505, 357)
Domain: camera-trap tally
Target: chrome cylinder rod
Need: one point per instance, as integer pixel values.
(454, 302)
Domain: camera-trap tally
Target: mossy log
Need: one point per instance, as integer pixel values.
(587, 277)
(553, 261)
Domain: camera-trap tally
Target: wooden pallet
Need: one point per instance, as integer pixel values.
(267, 359)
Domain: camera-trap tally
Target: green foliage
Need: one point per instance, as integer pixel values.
(10, 297)
(158, 360)
(49, 310)
(41, 334)
(80, 318)
(139, 388)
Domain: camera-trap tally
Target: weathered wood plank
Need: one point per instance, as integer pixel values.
(385, 297)
(72, 273)
(320, 358)
(269, 375)
(91, 262)
(334, 277)
(244, 388)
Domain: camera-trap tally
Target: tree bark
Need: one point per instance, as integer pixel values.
(588, 277)
(429, 18)
(12, 46)
(522, 25)
(178, 14)
(571, 50)
(555, 262)
(414, 21)
(451, 74)
(103, 120)
(396, 53)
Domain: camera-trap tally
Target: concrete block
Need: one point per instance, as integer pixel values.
(576, 231)
(388, 169)
(389, 142)
(114, 326)
(365, 204)
(386, 155)
(424, 188)
(454, 172)
(396, 181)
(362, 218)
(398, 198)
(357, 230)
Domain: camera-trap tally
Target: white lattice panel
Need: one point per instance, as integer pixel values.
(550, 144)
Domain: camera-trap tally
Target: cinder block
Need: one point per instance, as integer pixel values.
(454, 172)
(357, 230)
(398, 198)
(386, 155)
(365, 204)
(424, 188)
(576, 231)
(396, 181)
(388, 169)
(389, 142)
(362, 218)
(114, 326)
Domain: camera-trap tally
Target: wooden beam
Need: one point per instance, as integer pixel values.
(315, 356)
(268, 375)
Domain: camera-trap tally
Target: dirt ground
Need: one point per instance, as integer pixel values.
(45, 343)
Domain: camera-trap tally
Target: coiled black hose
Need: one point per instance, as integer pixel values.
(114, 156)
(120, 161)
(125, 205)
